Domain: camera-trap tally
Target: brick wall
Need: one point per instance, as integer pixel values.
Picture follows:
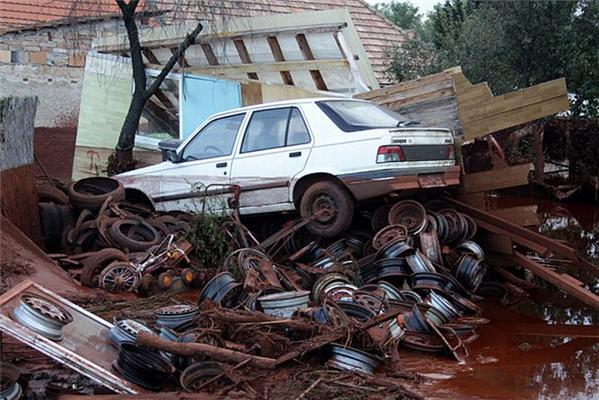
(64, 45)
(54, 149)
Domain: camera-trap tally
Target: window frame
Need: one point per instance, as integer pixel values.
(290, 108)
(343, 125)
(204, 126)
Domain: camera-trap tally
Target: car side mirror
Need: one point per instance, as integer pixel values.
(174, 157)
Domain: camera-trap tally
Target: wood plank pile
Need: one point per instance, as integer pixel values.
(478, 112)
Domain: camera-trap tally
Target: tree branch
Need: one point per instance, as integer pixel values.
(189, 40)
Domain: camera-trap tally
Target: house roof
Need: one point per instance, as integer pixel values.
(375, 31)
(18, 15)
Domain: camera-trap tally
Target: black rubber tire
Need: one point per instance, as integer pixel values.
(94, 264)
(50, 194)
(67, 219)
(125, 242)
(92, 192)
(51, 226)
(340, 199)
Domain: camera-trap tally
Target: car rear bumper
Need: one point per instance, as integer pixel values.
(368, 185)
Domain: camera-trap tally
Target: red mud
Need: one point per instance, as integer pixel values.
(507, 361)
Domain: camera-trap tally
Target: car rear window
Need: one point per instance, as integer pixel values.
(351, 116)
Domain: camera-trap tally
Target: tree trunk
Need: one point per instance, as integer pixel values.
(122, 160)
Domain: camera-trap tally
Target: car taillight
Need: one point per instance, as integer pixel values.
(390, 154)
(449, 152)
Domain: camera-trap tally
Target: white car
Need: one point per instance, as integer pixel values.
(306, 155)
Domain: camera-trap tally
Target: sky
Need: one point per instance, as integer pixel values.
(424, 6)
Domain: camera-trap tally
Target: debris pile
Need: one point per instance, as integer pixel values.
(347, 304)
(106, 241)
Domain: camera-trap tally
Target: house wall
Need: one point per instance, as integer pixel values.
(48, 63)
(49, 84)
(18, 196)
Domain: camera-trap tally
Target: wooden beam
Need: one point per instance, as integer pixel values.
(150, 56)
(495, 179)
(209, 53)
(169, 40)
(307, 53)
(414, 84)
(277, 53)
(251, 93)
(520, 215)
(522, 235)
(244, 56)
(266, 67)
(562, 281)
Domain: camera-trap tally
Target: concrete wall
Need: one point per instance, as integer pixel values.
(18, 196)
(16, 131)
(57, 88)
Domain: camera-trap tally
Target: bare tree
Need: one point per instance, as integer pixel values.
(122, 160)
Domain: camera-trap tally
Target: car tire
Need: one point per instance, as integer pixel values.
(91, 193)
(336, 199)
(148, 236)
(94, 264)
(51, 226)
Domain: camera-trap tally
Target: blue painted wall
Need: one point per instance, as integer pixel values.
(204, 96)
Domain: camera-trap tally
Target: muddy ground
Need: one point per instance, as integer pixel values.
(512, 358)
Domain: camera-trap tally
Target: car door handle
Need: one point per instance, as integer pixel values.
(295, 154)
(221, 165)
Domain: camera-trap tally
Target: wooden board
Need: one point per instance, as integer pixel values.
(495, 179)
(373, 95)
(521, 215)
(482, 113)
(251, 93)
(493, 242)
(562, 281)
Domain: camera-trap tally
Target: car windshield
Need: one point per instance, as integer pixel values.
(352, 116)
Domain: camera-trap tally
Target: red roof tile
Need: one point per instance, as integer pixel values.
(375, 31)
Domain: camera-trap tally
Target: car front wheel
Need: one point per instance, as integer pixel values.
(332, 206)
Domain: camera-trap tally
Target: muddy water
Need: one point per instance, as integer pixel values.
(512, 359)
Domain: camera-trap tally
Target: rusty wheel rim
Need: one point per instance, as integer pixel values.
(409, 213)
(389, 234)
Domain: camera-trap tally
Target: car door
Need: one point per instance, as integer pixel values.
(203, 164)
(275, 147)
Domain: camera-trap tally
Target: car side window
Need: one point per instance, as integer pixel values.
(297, 133)
(270, 129)
(266, 130)
(214, 140)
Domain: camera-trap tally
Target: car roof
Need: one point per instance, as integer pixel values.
(282, 103)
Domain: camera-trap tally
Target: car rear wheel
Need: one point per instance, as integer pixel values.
(334, 206)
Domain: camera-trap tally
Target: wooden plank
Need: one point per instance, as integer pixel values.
(244, 56)
(493, 242)
(307, 53)
(520, 215)
(495, 179)
(475, 93)
(514, 117)
(266, 67)
(517, 99)
(474, 199)
(403, 86)
(277, 53)
(538, 248)
(557, 279)
(150, 56)
(209, 53)
(518, 233)
(251, 93)
(402, 96)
